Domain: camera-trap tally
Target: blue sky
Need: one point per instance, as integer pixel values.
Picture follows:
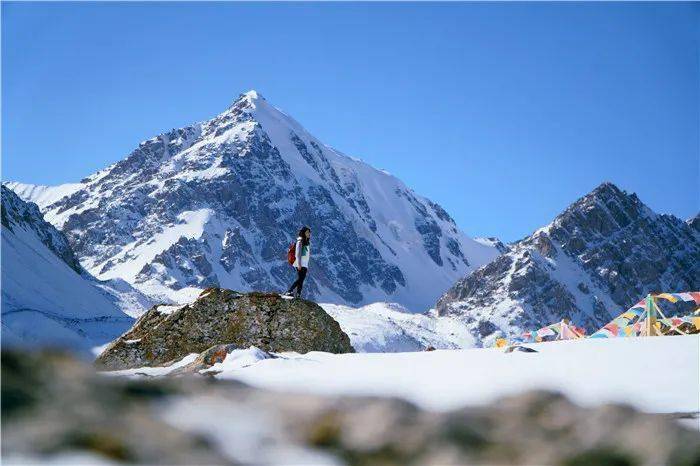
(503, 113)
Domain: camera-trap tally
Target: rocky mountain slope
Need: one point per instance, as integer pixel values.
(596, 259)
(217, 203)
(222, 317)
(47, 298)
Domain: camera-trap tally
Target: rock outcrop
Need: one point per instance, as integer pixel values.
(265, 320)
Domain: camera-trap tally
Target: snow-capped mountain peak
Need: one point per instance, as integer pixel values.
(252, 95)
(218, 202)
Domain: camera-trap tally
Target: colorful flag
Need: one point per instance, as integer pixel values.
(667, 296)
(696, 296)
(602, 333)
(696, 322)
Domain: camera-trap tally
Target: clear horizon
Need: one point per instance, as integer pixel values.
(483, 108)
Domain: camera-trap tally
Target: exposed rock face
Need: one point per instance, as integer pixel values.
(218, 316)
(495, 242)
(218, 203)
(53, 406)
(597, 258)
(694, 223)
(17, 213)
(47, 297)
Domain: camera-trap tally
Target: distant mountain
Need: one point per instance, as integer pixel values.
(597, 258)
(47, 297)
(217, 204)
(694, 222)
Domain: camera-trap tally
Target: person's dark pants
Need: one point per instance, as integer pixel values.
(299, 283)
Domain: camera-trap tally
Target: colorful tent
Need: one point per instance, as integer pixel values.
(642, 319)
(560, 331)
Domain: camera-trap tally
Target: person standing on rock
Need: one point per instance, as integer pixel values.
(302, 254)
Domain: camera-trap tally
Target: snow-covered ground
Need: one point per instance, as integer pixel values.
(658, 374)
(390, 328)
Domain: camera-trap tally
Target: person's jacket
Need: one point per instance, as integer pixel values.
(302, 254)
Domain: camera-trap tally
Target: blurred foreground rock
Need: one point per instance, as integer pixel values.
(54, 408)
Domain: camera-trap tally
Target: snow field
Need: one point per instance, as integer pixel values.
(658, 374)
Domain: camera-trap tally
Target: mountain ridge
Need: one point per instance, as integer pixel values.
(48, 299)
(217, 203)
(595, 259)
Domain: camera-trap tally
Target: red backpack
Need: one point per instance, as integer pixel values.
(291, 253)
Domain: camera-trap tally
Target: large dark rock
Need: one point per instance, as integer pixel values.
(220, 316)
